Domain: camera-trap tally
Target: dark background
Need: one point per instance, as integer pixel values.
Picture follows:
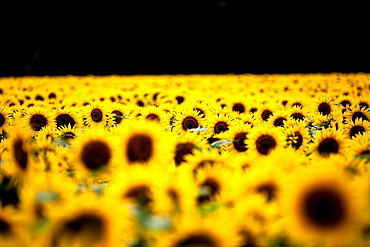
(183, 37)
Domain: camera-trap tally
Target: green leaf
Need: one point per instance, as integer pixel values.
(46, 196)
(218, 144)
(67, 135)
(209, 208)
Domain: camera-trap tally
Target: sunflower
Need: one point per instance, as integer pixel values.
(67, 133)
(120, 112)
(323, 105)
(11, 233)
(97, 115)
(84, 221)
(185, 145)
(4, 119)
(153, 113)
(137, 186)
(297, 135)
(264, 140)
(36, 118)
(20, 161)
(298, 113)
(279, 118)
(45, 138)
(42, 191)
(238, 135)
(215, 185)
(357, 127)
(188, 119)
(144, 142)
(355, 112)
(200, 106)
(327, 143)
(264, 112)
(192, 230)
(66, 116)
(92, 154)
(359, 147)
(363, 102)
(218, 123)
(324, 210)
(345, 101)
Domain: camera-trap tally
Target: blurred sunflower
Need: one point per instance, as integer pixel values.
(155, 114)
(4, 119)
(92, 155)
(265, 111)
(84, 221)
(35, 118)
(11, 232)
(238, 135)
(359, 147)
(192, 230)
(297, 135)
(324, 209)
(143, 142)
(120, 112)
(185, 145)
(298, 113)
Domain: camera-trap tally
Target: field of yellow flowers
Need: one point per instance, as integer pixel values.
(185, 160)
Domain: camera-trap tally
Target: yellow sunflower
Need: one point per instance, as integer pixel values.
(297, 135)
(357, 127)
(11, 232)
(265, 111)
(120, 112)
(279, 118)
(324, 210)
(92, 155)
(237, 135)
(97, 115)
(36, 118)
(192, 230)
(153, 113)
(188, 119)
(218, 123)
(84, 221)
(67, 133)
(328, 142)
(4, 119)
(264, 140)
(298, 113)
(185, 145)
(66, 115)
(323, 105)
(355, 112)
(359, 148)
(143, 142)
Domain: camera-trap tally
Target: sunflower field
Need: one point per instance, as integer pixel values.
(185, 160)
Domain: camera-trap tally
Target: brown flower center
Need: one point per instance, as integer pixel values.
(247, 239)
(95, 154)
(265, 143)
(2, 120)
(117, 113)
(197, 240)
(299, 141)
(220, 126)
(324, 208)
(189, 123)
(365, 152)
(183, 149)
(85, 228)
(363, 104)
(267, 189)
(345, 103)
(328, 146)
(153, 117)
(141, 193)
(64, 120)
(140, 148)
(96, 115)
(239, 107)
(297, 104)
(357, 129)
(5, 228)
(324, 108)
(38, 121)
(20, 154)
(279, 121)
(266, 114)
(239, 141)
(297, 116)
(180, 99)
(359, 115)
